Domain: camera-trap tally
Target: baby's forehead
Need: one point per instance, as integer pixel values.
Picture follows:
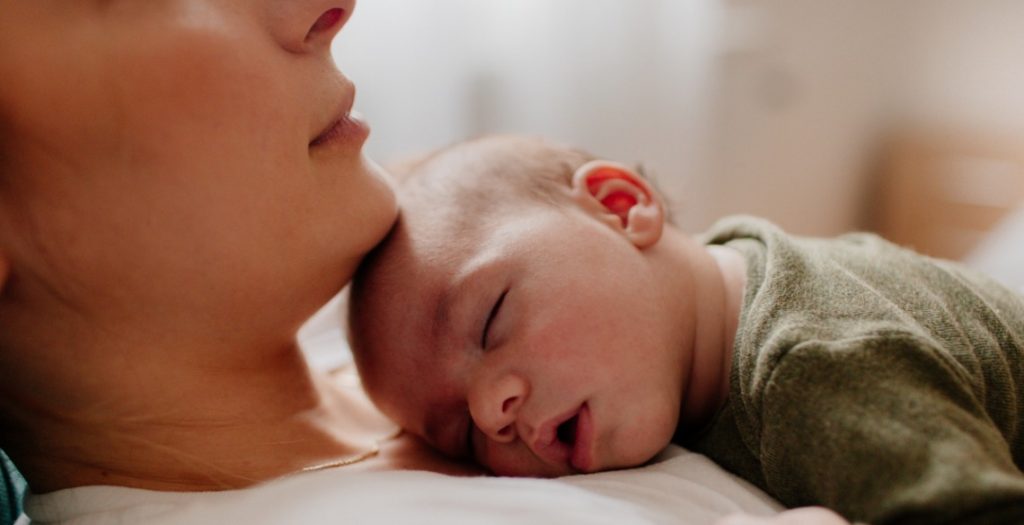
(394, 294)
(397, 351)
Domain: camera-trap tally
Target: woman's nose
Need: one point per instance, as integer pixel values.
(306, 26)
(495, 405)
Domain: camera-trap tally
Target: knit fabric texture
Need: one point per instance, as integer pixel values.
(875, 381)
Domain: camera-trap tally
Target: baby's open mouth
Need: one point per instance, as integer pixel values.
(566, 432)
(579, 431)
(559, 439)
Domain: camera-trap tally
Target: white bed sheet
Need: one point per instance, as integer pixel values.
(680, 488)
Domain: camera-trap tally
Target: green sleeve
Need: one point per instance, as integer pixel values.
(885, 430)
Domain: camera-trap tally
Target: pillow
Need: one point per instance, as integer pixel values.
(1001, 253)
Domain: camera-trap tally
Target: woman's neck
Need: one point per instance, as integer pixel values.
(199, 424)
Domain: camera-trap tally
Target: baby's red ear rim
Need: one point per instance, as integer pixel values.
(621, 198)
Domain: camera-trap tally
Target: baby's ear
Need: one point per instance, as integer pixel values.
(622, 199)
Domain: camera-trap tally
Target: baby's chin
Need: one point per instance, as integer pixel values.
(519, 462)
(639, 452)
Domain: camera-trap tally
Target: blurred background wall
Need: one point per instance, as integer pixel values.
(824, 116)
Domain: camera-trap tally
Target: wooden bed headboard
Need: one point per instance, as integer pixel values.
(941, 194)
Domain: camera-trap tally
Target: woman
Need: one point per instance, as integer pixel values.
(182, 185)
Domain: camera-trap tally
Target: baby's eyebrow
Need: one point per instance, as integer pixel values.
(444, 300)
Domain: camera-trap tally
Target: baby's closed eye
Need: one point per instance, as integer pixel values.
(495, 310)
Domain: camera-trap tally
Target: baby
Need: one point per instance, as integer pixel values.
(534, 310)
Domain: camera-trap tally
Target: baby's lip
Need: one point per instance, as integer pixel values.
(582, 455)
(547, 445)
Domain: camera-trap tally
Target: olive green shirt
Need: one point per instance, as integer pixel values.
(883, 384)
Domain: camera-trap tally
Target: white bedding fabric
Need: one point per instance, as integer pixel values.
(681, 488)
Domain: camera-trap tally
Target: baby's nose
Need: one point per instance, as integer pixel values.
(495, 406)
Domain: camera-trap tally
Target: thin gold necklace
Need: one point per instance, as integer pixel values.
(344, 462)
(358, 458)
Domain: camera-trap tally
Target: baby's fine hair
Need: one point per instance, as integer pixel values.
(484, 172)
(481, 171)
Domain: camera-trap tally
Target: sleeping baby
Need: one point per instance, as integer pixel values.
(534, 310)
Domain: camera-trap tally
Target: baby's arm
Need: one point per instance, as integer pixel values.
(885, 431)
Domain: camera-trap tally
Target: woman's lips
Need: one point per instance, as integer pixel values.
(349, 129)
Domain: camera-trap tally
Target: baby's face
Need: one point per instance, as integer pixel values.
(528, 341)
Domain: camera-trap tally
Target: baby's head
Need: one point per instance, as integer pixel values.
(517, 315)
